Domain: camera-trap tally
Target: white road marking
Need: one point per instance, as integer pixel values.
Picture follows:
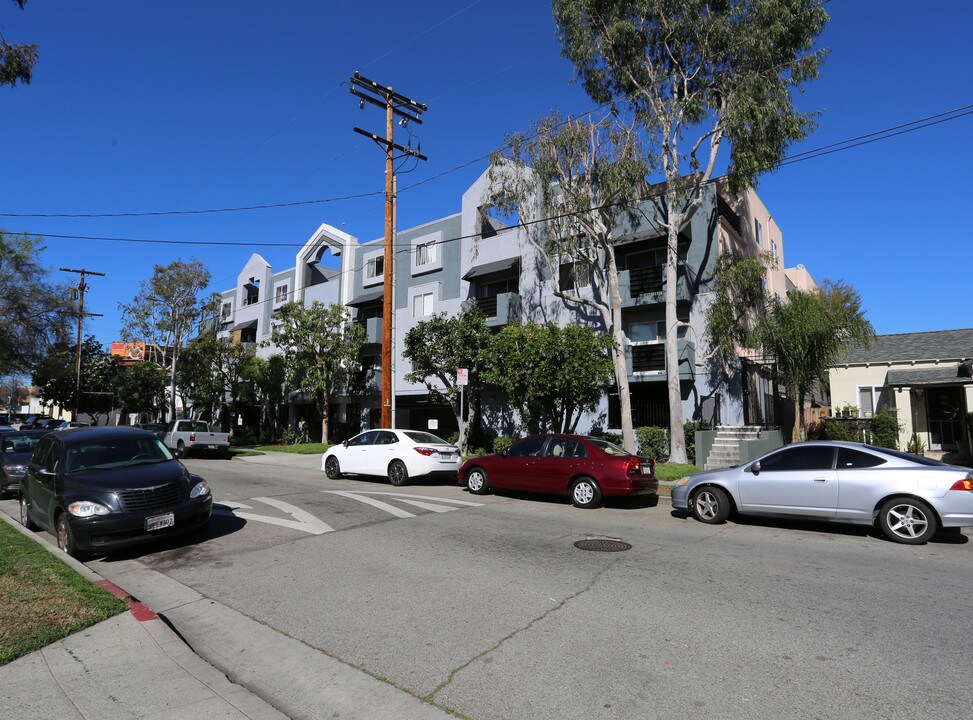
(303, 520)
(419, 497)
(391, 509)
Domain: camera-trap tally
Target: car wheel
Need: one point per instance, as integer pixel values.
(907, 520)
(332, 468)
(180, 449)
(398, 475)
(65, 538)
(477, 481)
(585, 493)
(711, 505)
(25, 515)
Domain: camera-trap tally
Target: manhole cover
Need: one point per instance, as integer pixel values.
(602, 545)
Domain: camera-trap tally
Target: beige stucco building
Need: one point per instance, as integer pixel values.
(925, 377)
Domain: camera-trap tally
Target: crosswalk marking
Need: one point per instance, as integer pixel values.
(419, 497)
(391, 509)
(302, 520)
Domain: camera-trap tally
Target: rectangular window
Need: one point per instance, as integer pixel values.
(375, 267)
(422, 305)
(760, 233)
(227, 309)
(426, 253)
(773, 253)
(871, 399)
(574, 276)
(280, 294)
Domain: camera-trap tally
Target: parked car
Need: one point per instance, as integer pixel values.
(908, 496)
(395, 454)
(585, 468)
(101, 489)
(16, 447)
(34, 422)
(195, 436)
(67, 424)
(157, 429)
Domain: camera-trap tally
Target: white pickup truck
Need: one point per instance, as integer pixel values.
(195, 436)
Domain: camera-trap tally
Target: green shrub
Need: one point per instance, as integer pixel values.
(837, 430)
(501, 443)
(653, 442)
(916, 446)
(452, 438)
(885, 430)
(614, 438)
(689, 429)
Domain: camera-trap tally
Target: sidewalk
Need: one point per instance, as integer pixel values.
(139, 665)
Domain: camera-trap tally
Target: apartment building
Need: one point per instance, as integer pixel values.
(472, 257)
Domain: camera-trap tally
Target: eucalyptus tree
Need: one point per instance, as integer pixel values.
(168, 310)
(321, 348)
(697, 75)
(16, 60)
(572, 183)
(440, 346)
(808, 332)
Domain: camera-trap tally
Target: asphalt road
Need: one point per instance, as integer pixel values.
(484, 606)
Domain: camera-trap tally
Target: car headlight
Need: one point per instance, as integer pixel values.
(683, 481)
(200, 489)
(86, 508)
(15, 469)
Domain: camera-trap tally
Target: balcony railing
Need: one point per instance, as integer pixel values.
(373, 329)
(500, 309)
(647, 361)
(646, 286)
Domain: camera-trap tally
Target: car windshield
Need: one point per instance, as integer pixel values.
(607, 447)
(20, 443)
(116, 453)
(424, 437)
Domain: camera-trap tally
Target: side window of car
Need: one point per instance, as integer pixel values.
(367, 438)
(387, 438)
(807, 457)
(46, 455)
(565, 447)
(849, 459)
(531, 447)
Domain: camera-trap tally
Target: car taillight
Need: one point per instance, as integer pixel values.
(424, 451)
(192, 437)
(964, 484)
(633, 467)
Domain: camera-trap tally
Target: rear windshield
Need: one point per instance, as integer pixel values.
(918, 459)
(116, 453)
(607, 447)
(424, 437)
(20, 443)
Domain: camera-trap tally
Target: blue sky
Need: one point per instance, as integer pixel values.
(147, 106)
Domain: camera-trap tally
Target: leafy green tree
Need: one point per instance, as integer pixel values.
(808, 333)
(322, 350)
(573, 183)
(34, 310)
(269, 377)
(16, 61)
(167, 312)
(697, 74)
(57, 378)
(437, 348)
(739, 302)
(140, 388)
(562, 371)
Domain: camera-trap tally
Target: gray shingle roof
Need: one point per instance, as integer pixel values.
(934, 345)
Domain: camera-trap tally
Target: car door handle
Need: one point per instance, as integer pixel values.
(820, 479)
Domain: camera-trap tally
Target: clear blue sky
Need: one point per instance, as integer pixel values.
(148, 106)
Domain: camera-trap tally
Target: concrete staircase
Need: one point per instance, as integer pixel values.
(726, 446)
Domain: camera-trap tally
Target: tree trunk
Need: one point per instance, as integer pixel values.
(614, 322)
(172, 387)
(795, 428)
(326, 401)
(677, 440)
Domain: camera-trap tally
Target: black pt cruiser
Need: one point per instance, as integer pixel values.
(102, 489)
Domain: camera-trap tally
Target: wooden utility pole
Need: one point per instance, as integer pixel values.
(82, 286)
(408, 111)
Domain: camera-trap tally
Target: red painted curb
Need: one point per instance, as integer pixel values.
(113, 589)
(142, 612)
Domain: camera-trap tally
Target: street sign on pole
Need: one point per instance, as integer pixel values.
(462, 376)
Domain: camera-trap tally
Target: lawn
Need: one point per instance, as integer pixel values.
(41, 598)
(300, 449)
(670, 472)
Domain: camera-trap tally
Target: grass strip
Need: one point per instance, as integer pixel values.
(301, 449)
(41, 598)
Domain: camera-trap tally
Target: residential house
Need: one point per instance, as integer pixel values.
(925, 377)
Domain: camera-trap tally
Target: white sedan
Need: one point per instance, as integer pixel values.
(395, 454)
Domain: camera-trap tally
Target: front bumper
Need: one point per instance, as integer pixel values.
(680, 497)
(121, 530)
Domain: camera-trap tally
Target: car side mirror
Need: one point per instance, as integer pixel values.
(344, 443)
(754, 468)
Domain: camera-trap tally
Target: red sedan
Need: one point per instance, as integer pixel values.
(586, 468)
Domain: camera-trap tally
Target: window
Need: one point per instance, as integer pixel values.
(426, 253)
(760, 233)
(653, 331)
(422, 305)
(280, 294)
(374, 267)
(227, 309)
(574, 276)
(563, 447)
(773, 253)
(252, 292)
(531, 447)
(808, 457)
(367, 438)
(849, 459)
(871, 399)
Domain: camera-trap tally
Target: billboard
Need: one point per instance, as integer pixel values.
(128, 351)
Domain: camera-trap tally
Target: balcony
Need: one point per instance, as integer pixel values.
(368, 381)
(500, 309)
(646, 362)
(373, 330)
(646, 286)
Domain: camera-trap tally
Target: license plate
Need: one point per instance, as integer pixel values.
(159, 521)
(646, 469)
(210, 447)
